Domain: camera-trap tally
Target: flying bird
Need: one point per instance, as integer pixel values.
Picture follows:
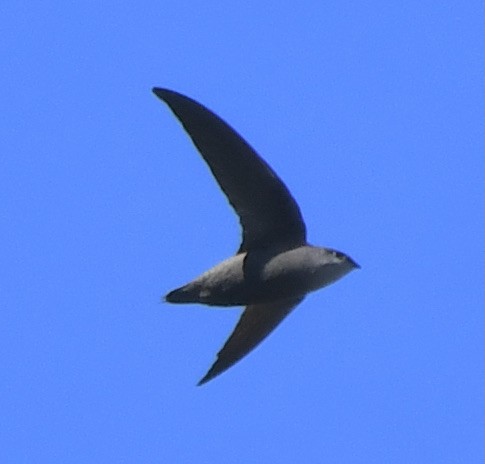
(274, 267)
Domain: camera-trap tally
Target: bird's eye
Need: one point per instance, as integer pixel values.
(338, 255)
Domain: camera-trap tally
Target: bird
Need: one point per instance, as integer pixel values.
(275, 267)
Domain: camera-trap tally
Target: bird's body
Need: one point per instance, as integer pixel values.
(263, 276)
(274, 267)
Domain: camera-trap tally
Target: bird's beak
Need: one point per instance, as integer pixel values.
(351, 261)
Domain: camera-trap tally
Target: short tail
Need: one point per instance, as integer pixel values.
(182, 295)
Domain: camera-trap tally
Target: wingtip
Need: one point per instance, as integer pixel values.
(158, 91)
(209, 376)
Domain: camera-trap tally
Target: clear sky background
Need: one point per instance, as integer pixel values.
(372, 114)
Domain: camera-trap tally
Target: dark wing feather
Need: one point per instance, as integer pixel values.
(255, 324)
(267, 211)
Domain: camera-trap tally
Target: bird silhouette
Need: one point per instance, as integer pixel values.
(274, 267)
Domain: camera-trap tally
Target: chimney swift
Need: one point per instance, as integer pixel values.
(274, 267)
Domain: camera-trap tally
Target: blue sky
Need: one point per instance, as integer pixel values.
(372, 114)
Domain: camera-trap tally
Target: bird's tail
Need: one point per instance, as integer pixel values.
(185, 294)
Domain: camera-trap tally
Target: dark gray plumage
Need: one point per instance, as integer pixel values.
(274, 267)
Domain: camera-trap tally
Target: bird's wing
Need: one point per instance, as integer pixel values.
(256, 323)
(267, 211)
